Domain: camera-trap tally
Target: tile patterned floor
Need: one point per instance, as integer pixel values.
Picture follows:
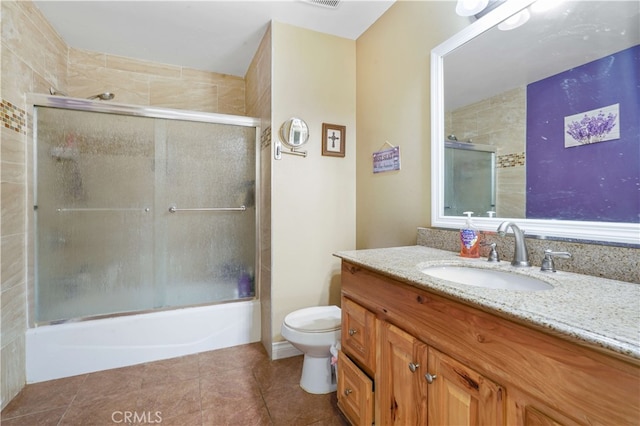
(233, 386)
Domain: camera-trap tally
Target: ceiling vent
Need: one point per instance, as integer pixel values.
(331, 4)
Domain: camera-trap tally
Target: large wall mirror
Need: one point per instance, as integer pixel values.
(558, 98)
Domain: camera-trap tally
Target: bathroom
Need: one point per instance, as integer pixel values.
(318, 205)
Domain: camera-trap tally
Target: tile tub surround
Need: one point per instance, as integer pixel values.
(616, 263)
(590, 311)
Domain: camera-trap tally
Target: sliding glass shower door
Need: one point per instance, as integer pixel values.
(139, 213)
(209, 233)
(469, 181)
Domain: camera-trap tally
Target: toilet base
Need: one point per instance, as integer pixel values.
(317, 375)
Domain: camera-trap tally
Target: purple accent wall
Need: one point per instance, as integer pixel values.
(596, 182)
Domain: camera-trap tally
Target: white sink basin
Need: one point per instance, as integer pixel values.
(487, 278)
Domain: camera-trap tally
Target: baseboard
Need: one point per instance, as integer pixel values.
(281, 350)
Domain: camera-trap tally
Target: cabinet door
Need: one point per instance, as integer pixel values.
(400, 385)
(358, 334)
(523, 409)
(461, 396)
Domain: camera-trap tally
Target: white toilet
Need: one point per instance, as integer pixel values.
(313, 331)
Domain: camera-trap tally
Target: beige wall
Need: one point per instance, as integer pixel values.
(313, 198)
(393, 104)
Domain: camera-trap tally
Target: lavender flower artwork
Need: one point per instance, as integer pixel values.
(592, 129)
(593, 126)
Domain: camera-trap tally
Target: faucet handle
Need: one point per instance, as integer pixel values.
(547, 261)
(493, 254)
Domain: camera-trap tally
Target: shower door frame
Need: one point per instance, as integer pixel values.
(78, 104)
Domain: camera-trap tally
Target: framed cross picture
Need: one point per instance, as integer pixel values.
(333, 140)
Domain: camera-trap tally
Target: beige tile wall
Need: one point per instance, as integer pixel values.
(33, 55)
(499, 121)
(151, 84)
(35, 58)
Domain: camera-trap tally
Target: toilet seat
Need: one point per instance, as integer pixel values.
(317, 319)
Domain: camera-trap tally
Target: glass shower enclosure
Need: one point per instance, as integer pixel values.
(470, 178)
(138, 209)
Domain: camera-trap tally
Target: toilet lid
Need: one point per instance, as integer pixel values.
(314, 320)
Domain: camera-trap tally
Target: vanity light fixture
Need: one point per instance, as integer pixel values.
(515, 21)
(470, 7)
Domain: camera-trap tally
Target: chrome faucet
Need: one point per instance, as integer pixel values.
(520, 255)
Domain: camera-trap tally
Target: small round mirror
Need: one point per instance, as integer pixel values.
(294, 132)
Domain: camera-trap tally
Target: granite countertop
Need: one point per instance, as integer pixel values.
(593, 310)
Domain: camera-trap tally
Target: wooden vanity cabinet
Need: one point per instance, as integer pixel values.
(442, 362)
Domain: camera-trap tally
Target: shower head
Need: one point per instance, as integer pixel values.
(455, 139)
(106, 96)
(54, 92)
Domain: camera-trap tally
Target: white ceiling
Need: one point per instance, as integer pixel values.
(214, 35)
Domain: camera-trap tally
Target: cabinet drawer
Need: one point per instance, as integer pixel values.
(355, 392)
(358, 335)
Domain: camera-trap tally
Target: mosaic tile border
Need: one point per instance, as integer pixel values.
(265, 137)
(511, 160)
(13, 118)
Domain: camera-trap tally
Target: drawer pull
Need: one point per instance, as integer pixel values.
(347, 392)
(413, 367)
(430, 378)
(352, 331)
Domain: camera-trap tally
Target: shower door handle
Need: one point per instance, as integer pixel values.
(124, 209)
(174, 209)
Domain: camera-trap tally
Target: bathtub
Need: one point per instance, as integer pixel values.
(64, 350)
